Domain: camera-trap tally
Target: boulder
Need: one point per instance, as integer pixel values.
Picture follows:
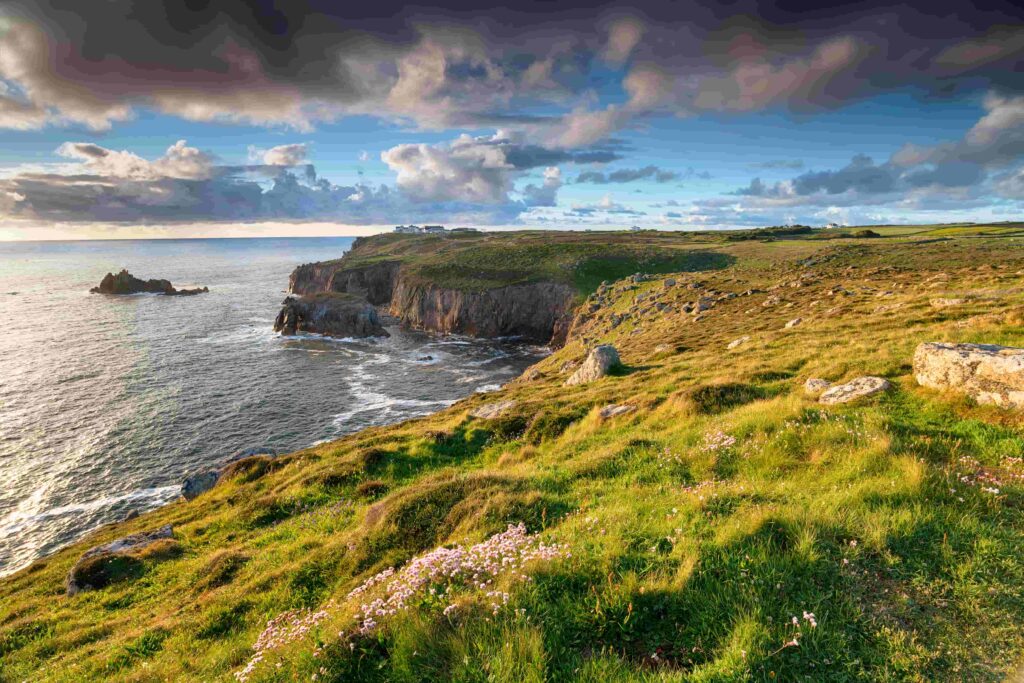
(670, 282)
(816, 386)
(735, 343)
(946, 302)
(599, 361)
(331, 314)
(613, 410)
(988, 373)
(854, 389)
(490, 411)
(126, 283)
(794, 322)
(199, 483)
(104, 564)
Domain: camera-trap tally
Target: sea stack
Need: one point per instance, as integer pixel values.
(331, 314)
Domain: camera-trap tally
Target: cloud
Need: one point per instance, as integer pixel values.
(623, 36)
(545, 194)
(179, 161)
(788, 164)
(285, 155)
(605, 206)
(628, 175)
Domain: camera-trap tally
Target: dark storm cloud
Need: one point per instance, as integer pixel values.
(451, 65)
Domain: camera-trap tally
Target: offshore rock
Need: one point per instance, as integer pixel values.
(126, 283)
(330, 314)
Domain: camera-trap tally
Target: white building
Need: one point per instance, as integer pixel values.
(408, 229)
(433, 229)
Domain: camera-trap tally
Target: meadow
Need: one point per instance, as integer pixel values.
(723, 526)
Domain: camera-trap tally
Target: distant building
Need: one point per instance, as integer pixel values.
(433, 229)
(636, 228)
(833, 226)
(408, 229)
(464, 230)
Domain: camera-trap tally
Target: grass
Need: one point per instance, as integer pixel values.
(696, 525)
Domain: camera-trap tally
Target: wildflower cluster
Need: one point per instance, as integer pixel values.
(437, 576)
(444, 571)
(285, 628)
(808, 619)
(716, 441)
(988, 479)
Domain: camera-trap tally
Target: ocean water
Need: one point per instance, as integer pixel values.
(107, 403)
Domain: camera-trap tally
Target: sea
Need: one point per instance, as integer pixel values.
(107, 402)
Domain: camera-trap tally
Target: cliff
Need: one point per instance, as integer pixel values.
(492, 285)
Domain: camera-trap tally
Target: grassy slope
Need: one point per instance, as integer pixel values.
(687, 562)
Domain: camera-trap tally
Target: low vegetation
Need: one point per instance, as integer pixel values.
(726, 527)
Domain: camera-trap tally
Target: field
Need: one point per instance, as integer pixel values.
(725, 527)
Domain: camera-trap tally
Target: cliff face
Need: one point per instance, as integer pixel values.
(373, 282)
(538, 311)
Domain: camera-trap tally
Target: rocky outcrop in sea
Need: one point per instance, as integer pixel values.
(331, 314)
(126, 283)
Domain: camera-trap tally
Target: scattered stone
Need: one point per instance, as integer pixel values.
(490, 411)
(816, 386)
(988, 373)
(197, 484)
(530, 374)
(944, 302)
(670, 282)
(738, 342)
(794, 322)
(126, 283)
(854, 389)
(599, 361)
(662, 348)
(90, 573)
(614, 409)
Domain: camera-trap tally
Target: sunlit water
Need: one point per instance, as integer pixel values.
(106, 403)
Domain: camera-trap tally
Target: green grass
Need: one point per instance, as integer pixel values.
(690, 551)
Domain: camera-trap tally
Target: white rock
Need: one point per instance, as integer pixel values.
(794, 322)
(489, 411)
(854, 389)
(738, 342)
(988, 373)
(613, 410)
(599, 361)
(947, 302)
(816, 386)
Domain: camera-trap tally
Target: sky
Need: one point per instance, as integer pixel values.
(124, 119)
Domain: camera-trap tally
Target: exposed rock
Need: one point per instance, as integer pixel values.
(489, 411)
(662, 348)
(793, 323)
(334, 315)
(92, 569)
(988, 373)
(614, 409)
(670, 282)
(854, 389)
(945, 302)
(599, 361)
(126, 283)
(816, 386)
(197, 484)
(735, 343)
(530, 375)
